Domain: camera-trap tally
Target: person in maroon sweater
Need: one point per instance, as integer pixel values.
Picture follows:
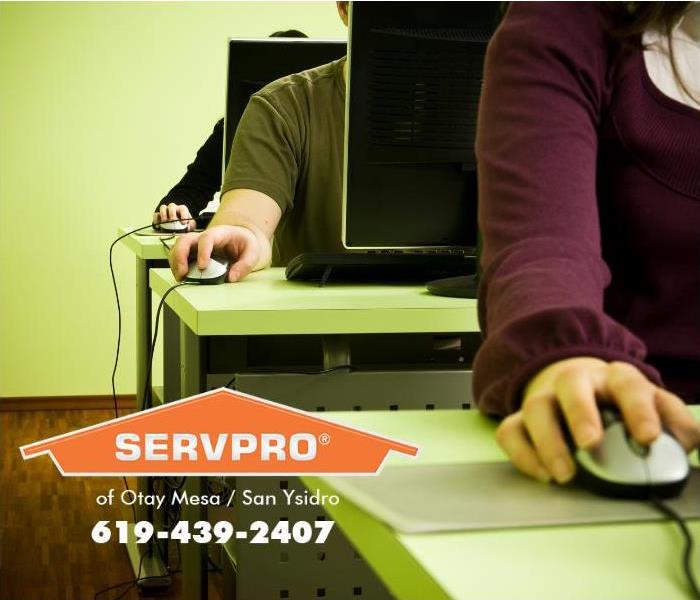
(589, 208)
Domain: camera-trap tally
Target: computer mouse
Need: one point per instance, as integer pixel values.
(215, 272)
(171, 226)
(463, 286)
(621, 467)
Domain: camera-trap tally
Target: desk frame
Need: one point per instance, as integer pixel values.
(195, 355)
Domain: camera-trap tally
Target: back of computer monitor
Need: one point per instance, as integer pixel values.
(415, 81)
(253, 63)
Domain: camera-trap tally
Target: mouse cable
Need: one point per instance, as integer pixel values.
(163, 241)
(119, 308)
(275, 371)
(119, 334)
(147, 390)
(669, 512)
(119, 341)
(131, 583)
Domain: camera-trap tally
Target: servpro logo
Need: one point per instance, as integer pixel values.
(222, 432)
(188, 447)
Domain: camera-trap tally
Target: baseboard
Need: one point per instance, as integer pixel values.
(124, 402)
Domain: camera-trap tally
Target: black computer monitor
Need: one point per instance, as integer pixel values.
(414, 86)
(253, 63)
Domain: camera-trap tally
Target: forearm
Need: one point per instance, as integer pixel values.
(232, 213)
(542, 293)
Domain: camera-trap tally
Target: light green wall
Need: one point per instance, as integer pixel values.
(102, 105)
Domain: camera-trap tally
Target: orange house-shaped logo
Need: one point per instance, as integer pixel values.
(219, 432)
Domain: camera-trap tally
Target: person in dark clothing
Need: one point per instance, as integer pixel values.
(588, 149)
(282, 192)
(202, 180)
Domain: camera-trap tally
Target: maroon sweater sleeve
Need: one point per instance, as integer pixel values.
(541, 297)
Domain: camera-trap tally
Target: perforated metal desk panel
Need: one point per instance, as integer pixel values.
(636, 561)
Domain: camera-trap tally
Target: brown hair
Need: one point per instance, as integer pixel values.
(634, 18)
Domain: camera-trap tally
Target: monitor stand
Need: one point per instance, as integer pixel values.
(378, 267)
(464, 286)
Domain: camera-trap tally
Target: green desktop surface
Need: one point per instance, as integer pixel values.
(146, 247)
(605, 561)
(265, 303)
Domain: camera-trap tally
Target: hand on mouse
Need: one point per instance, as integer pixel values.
(172, 212)
(571, 389)
(237, 243)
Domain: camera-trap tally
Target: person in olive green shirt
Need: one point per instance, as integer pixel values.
(285, 182)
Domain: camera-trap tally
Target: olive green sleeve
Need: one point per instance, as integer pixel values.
(265, 153)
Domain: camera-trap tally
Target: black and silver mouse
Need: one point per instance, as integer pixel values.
(215, 272)
(171, 227)
(621, 467)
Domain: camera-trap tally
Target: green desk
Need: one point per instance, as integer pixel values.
(623, 561)
(265, 304)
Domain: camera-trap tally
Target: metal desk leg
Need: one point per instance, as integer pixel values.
(336, 351)
(171, 355)
(143, 347)
(151, 568)
(143, 327)
(193, 381)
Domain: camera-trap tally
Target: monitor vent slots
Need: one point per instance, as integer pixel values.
(478, 35)
(425, 101)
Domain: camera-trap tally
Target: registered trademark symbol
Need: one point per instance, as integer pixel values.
(324, 439)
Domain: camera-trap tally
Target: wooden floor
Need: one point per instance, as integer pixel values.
(46, 551)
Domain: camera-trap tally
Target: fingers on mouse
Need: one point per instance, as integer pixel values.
(214, 273)
(171, 226)
(621, 467)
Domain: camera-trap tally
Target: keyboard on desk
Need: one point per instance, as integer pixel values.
(378, 267)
